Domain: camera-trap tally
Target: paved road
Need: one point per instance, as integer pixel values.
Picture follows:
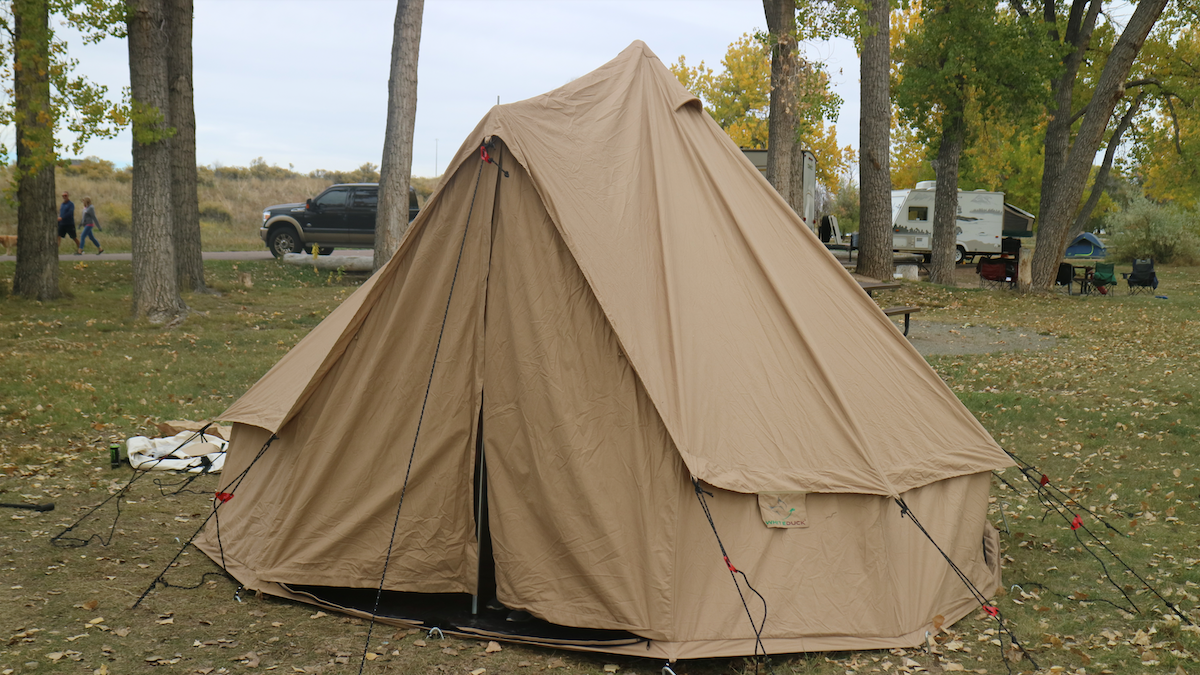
(208, 255)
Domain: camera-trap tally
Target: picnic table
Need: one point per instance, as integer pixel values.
(1083, 277)
(871, 285)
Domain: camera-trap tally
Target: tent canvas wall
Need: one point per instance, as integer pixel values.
(630, 308)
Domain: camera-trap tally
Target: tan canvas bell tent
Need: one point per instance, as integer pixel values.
(602, 302)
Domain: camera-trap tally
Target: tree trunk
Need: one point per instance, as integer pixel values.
(945, 203)
(155, 286)
(1060, 198)
(1100, 184)
(37, 230)
(874, 141)
(185, 203)
(391, 221)
(1081, 20)
(781, 122)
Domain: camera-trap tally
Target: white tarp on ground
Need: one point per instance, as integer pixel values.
(188, 451)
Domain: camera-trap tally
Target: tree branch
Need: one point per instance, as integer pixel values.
(1142, 83)
(1101, 183)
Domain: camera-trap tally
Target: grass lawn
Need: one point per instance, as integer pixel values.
(1108, 413)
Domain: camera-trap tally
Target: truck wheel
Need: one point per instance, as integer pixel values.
(284, 240)
(960, 254)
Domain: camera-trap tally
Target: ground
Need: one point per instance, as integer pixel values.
(1096, 392)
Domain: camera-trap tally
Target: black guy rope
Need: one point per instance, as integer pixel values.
(733, 572)
(1039, 484)
(990, 609)
(484, 159)
(61, 539)
(219, 500)
(1051, 591)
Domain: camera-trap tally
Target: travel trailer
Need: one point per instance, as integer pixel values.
(809, 180)
(983, 220)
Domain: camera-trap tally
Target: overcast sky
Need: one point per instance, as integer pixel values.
(304, 82)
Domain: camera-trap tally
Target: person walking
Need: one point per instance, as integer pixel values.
(89, 222)
(66, 222)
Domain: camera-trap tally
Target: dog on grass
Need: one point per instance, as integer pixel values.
(9, 242)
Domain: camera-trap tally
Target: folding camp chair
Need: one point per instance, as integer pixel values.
(1142, 279)
(995, 274)
(1066, 276)
(1104, 278)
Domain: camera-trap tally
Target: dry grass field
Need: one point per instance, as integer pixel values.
(231, 200)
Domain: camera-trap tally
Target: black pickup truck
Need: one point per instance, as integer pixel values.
(342, 215)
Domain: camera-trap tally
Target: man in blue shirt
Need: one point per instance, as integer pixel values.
(66, 221)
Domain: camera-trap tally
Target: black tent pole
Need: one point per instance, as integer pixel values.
(480, 495)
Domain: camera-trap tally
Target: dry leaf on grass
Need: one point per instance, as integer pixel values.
(493, 646)
(91, 604)
(479, 671)
(318, 615)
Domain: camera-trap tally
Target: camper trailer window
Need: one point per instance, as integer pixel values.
(918, 213)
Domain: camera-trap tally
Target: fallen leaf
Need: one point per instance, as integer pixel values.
(1082, 657)
(96, 620)
(318, 615)
(121, 632)
(555, 662)
(938, 621)
(102, 670)
(54, 656)
(479, 671)
(1014, 653)
(493, 647)
(611, 668)
(163, 622)
(952, 667)
(91, 604)
(450, 650)
(371, 656)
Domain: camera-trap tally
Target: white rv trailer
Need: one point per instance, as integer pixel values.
(983, 220)
(808, 212)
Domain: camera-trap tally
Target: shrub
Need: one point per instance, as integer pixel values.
(115, 218)
(1146, 229)
(215, 213)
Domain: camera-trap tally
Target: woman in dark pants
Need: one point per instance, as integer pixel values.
(89, 222)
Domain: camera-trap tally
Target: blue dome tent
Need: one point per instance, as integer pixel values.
(1086, 245)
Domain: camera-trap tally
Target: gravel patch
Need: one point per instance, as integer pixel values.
(936, 338)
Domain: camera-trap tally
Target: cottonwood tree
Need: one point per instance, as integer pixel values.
(391, 220)
(874, 140)
(37, 256)
(46, 97)
(738, 99)
(781, 124)
(185, 201)
(1073, 134)
(964, 54)
(155, 282)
